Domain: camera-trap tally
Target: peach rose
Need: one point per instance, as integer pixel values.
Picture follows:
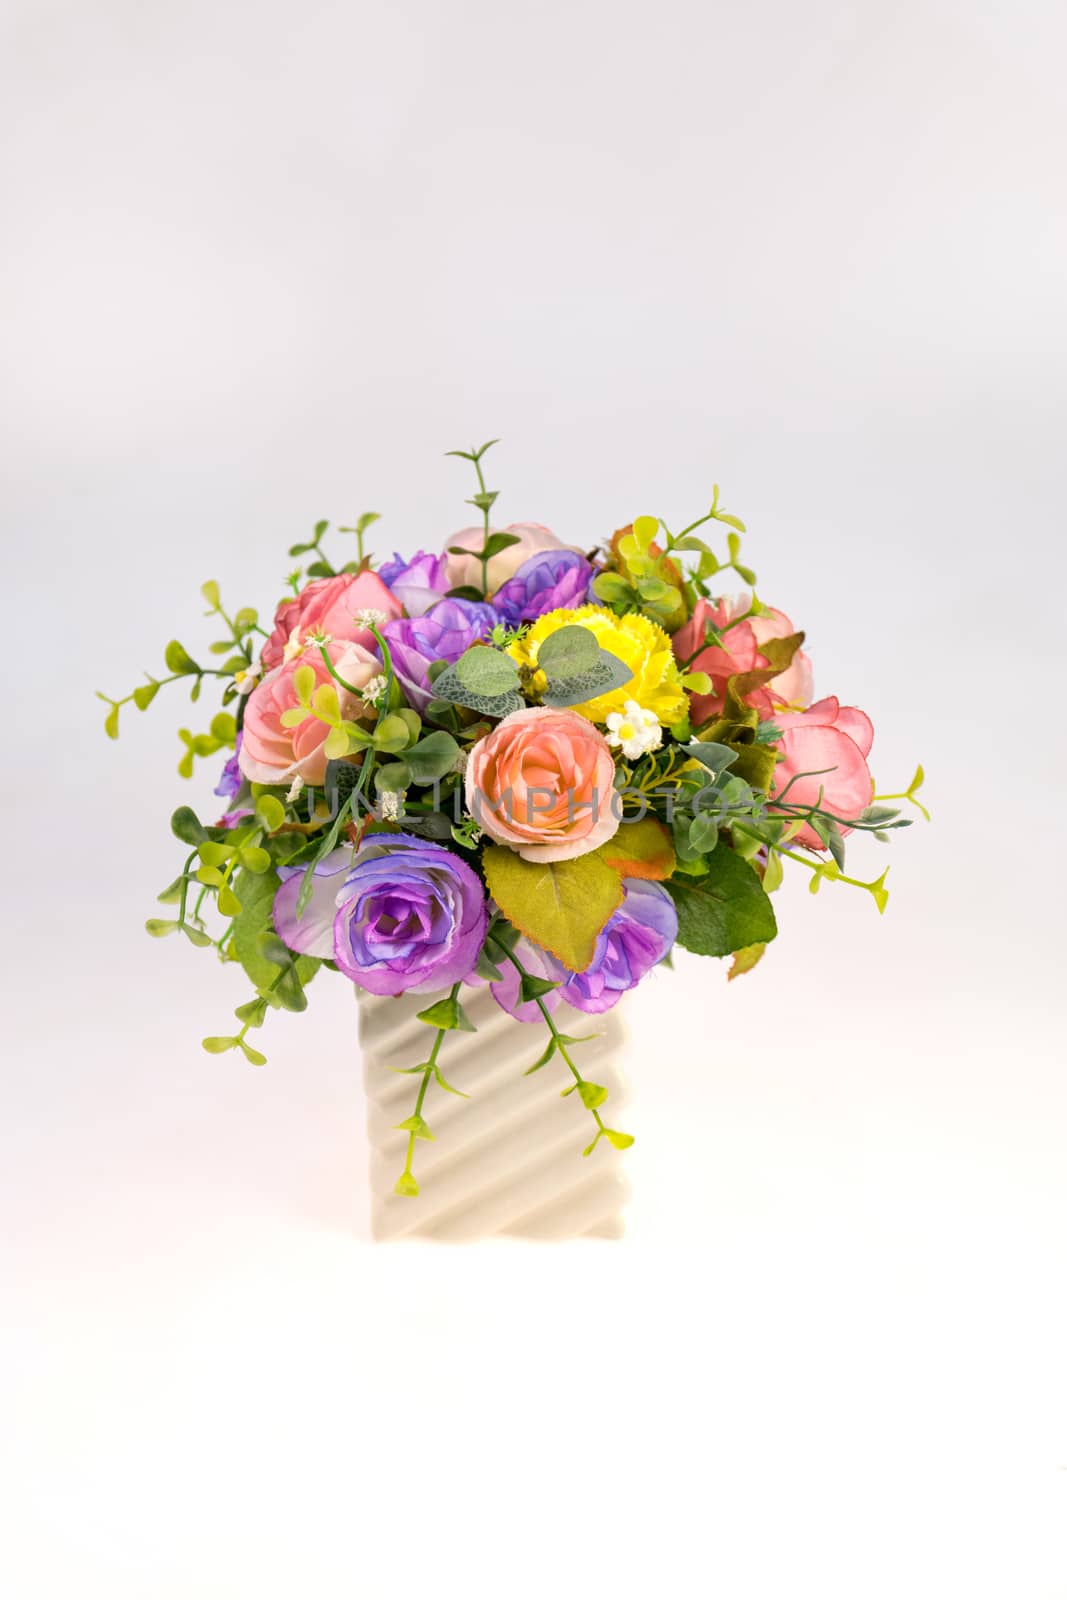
(331, 604)
(832, 741)
(542, 782)
(532, 537)
(740, 652)
(271, 753)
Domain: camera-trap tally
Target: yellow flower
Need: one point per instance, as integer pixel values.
(656, 685)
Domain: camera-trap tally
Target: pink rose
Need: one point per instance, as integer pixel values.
(532, 537)
(740, 652)
(331, 604)
(826, 736)
(271, 753)
(542, 782)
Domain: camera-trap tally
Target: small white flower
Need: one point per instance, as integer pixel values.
(389, 805)
(294, 646)
(374, 689)
(318, 636)
(245, 681)
(296, 789)
(370, 618)
(634, 731)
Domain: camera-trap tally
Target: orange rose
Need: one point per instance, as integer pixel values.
(542, 782)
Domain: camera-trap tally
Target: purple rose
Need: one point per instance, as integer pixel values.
(231, 780)
(419, 583)
(638, 936)
(399, 914)
(634, 939)
(546, 582)
(443, 634)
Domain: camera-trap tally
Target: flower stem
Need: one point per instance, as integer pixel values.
(557, 1037)
(407, 1183)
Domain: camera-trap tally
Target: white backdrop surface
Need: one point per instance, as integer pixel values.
(265, 264)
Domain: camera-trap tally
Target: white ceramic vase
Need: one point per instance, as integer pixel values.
(508, 1159)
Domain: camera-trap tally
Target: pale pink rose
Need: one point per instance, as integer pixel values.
(542, 782)
(740, 652)
(532, 537)
(331, 604)
(826, 736)
(271, 753)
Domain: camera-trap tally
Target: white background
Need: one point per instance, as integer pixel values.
(265, 264)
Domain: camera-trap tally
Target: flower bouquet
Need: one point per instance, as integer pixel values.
(519, 766)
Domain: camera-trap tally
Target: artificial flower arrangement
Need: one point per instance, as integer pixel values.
(518, 763)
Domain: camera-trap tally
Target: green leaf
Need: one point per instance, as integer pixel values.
(255, 1057)
(609, 587)
(196, 937)
(290, 991)
(621, 1141)
(487, 671)
(448, 686)
(219, 1043)
(560, 905)
(642, 849)
(591, 1094)
(447, 1013)
(393, 776)
(568, 652)
(178, 658)
(543, 1059)
(111, 722)
(270, 812)
(723, 911)
(213, 854)
(159, 927)
(532, 988)
(186, 826)
(255, 858)
(449, 1088)
(252, 1012)
(497, 541)
(703, 833)
(391, 734)
(607, 673)
(486, 968)
(210, 592)
(432, 757)
(144, 694)
(744, 960)
(256, 894)
(406, 1184)
(416, 1125)
(716, 757)
(228, 903)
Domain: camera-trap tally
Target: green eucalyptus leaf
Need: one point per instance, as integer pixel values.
(716, 757)
(487, 671)
(607, 673)
(568, 652)
(448, 686)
